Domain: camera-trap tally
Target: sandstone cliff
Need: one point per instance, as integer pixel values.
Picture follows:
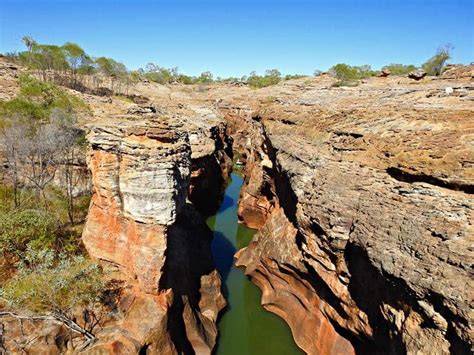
(140, 221)
(363, 197)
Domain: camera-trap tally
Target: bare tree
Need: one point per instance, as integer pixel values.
(34, 154)
(40, 156)
(70, 144)
(72, 152)
(29, 42)
(13, 134)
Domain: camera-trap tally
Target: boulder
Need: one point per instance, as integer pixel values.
(141, 110)
(417, 74)
(384, 73)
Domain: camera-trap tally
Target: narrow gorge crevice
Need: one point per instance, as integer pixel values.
(405, 176)
(339, 296)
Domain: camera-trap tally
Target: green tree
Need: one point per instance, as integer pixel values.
(344, 72)
(111, 67)
(76, 57)
(45, 58)
(271, 77)
(116, 71)
(273, 73)
(436, 64)
(205, 78)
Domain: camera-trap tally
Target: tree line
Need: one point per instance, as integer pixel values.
(70, 65)
(433, 66)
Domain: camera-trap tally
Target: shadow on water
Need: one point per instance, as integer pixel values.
(223, 253)
(228, 202)
(244, 327)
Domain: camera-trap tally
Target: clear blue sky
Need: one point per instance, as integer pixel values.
(234, 37)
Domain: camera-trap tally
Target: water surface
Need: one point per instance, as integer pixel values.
(245, 327)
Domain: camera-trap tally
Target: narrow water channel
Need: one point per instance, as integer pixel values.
(245, 327)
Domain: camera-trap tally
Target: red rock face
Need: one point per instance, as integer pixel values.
(139, 221)
(365, 244)
(139, 249)
(255, 197)
(285, 292)
(115, 230)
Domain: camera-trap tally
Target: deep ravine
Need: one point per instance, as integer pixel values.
(244, 327)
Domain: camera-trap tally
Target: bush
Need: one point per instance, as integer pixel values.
(293, 76)
(31, 226)
(436, 64)
(24, 108)
(37, 99)
(399, 69)
(56, 287)
(271, 77)
(49, 95)
(205, 78)
(346, 73)
(27, 228)
(46, 283)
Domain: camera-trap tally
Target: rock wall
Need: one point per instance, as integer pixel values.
(211, 157)
(141, 222)
(354, 257)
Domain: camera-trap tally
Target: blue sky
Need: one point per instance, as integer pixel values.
(234, 37)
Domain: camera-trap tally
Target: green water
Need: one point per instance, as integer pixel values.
(245, 327)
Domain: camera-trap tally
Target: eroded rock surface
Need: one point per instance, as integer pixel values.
(363, 198)
(365, 243)
(140, 221)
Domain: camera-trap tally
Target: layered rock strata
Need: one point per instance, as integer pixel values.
(211, 156)
(140, 221)
(365, 239)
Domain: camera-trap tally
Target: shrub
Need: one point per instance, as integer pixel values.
(56, 287)
(399, 69)
(293, 76)
(271, 77)
(20, 229)
(49, 95)
(346, 73)
(436, 64)
(47, 283)
(205, 78)
(24, 108)
(37, 99)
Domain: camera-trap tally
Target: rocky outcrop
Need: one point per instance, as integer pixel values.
(140, 221)
(362, 197)
(417, 74)
(365, 246)
(211, 157)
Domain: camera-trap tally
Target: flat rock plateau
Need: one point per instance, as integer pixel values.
(362, 197)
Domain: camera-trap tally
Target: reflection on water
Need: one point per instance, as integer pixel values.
(245, 327)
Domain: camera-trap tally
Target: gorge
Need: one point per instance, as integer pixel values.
(244, 326)
(349, 209)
